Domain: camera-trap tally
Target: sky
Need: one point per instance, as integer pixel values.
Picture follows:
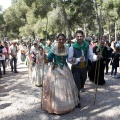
(5, 4)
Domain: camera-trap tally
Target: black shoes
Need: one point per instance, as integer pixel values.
(4, 73)
(16, 72)
(82, 89)
(79, 105)
(106, 73)
(11, 70)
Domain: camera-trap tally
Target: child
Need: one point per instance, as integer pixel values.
(37, 69)
(115, 61)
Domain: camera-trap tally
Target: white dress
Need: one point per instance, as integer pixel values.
(60, 93)
(38, 70)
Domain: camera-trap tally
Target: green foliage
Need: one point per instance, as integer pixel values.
(1, 8)
(54, 16)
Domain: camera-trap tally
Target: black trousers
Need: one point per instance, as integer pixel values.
(106, 65)
(13, 60)
(80, 76)
(2, 62)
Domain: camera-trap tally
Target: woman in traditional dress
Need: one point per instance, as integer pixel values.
(37, 70)
(60, 93)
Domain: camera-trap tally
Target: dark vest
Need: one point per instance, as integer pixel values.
(1, 47)
(77, 54)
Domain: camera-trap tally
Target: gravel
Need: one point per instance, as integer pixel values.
(20, 100)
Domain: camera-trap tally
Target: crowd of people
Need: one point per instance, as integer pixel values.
(9, 56)
(48, 67)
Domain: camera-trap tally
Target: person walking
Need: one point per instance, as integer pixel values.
(97, 67)
(2, 58)
(115, 61)
(78, 56)
(109, 51)
(59, 89)
(13, 56)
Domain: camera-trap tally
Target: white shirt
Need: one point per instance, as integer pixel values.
(13, 50)
(91, 55)
(2, 57)
(33, 50)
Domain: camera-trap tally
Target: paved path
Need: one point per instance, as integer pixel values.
(20, 100)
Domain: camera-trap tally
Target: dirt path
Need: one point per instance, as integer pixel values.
(20, 100)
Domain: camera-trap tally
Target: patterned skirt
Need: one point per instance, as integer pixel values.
(60, 93)
(37, 74)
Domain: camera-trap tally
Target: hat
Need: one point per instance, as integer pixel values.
(73, 40)
(14, 41)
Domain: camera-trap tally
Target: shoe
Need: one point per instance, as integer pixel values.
(113, 76)
(106, 73)
(16, 72)
(82, 89)
(39, 85)
(0, 76)
(79, 105)
(4, 73)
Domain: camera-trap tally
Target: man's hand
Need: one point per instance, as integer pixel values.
(99, 56)
(81, 58)
(73, 60)
(104, 62)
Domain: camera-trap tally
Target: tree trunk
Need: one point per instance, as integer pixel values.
(67, 23)
(46, 27)
(115, 31)
(98, 17)
(85, 30)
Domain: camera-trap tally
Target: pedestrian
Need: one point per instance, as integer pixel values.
(13, 56)
(59, 89)
(109, 53)
(115, 61)
(33, 53)
(37, 73)
(78, 56)
(5, 44)
(3, 52)
(97, 67)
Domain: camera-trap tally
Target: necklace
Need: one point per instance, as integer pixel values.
(61, 49)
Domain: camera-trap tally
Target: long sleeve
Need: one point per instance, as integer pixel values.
(70, 56)
(50, 56)
(91, 56)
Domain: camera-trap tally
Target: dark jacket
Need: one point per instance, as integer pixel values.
(115, 59)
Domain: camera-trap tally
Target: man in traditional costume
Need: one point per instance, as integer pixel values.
(97, 68)
(78, 56)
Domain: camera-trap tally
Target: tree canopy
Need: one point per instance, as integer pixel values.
(50, 17)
